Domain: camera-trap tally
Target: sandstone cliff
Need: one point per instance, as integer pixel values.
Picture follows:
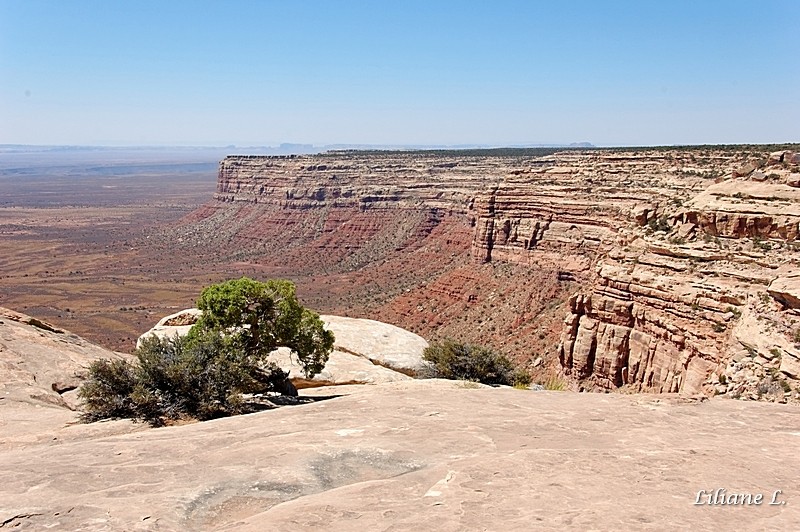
(659, 258)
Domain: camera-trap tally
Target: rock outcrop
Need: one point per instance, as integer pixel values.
(786, 289)
(365, 351)
(739, 209)
(420, 455)
(382, 344)
(411, 454)
(41, 368)
(40, 362)
(653, 254)
(177, 324)
(341, 368)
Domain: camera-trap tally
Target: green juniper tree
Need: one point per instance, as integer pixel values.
(226, 354)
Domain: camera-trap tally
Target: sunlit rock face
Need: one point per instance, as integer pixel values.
(653, 255)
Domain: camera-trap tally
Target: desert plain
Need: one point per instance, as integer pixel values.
(667, 276)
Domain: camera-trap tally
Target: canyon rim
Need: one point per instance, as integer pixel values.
(652, 270)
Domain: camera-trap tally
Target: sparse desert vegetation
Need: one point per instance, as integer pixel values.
(469, 362)
(206, 373)
(492, 248)
(519, 323)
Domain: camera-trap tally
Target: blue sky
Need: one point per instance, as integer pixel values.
(403, 72)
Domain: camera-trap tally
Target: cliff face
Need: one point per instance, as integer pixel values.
(361, 182)
(660, 259)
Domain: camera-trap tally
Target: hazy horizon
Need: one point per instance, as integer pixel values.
(511, 73)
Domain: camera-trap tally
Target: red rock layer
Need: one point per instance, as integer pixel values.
(490, 249)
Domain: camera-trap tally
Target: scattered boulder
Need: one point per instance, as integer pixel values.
(68, 382)
(381, 343)
(790, 364)
(686, 229)
(71, 399)
(177, 324)
(744, 170)
(365, 352)
(185, 317)
(777, 157)
(786, 289)
(642, 213)
(341, 368)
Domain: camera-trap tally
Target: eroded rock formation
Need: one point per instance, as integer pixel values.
(654, 255)
(410, 454)
(41, 368)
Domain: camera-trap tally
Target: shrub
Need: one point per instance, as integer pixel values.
(107, 393)
(202, 377)
(735, 311)
(760, 244)
(555, 384)
(452, 360)
(769, 387)
(205, 374)
(260, 317)
(659, 224)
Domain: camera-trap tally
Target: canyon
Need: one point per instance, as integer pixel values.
(649, 269)
(675, 268)
(671, 271)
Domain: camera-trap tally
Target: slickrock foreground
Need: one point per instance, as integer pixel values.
(41, 368)
(422, 455)
(406, 455)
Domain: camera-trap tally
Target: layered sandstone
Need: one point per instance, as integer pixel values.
(41, 367)
(655, 256)
(671, 299)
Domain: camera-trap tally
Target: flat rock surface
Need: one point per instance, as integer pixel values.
(382, 343)
(39, 366)
(423, 455)
(340, 369)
